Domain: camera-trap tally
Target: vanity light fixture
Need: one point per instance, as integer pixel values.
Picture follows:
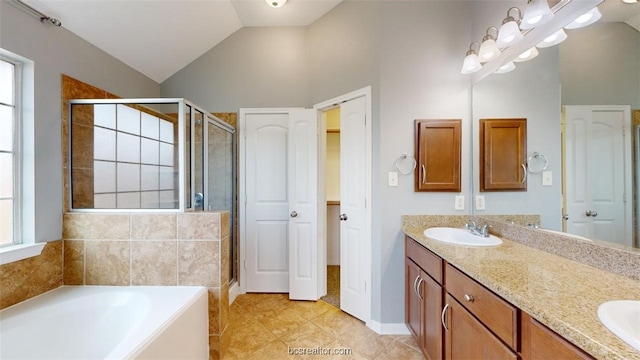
(509, 33)
(585, 19)
(527, 55)
(630, 1)
(471, 62)
(510, 66)
(488, 49)
(554, 39)
(276, 3)
(536, 13)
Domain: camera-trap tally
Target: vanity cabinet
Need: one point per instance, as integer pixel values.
(503, 154)
(452, 316)
(437, 155)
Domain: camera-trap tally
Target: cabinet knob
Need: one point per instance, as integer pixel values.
(468, 297)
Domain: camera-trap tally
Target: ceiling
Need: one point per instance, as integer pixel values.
(160, 37)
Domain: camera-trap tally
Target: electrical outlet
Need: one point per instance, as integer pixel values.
(479, 202)
(547, 178)
(459, 204)
(393, 178)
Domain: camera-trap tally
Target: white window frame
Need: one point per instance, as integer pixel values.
(24, 244)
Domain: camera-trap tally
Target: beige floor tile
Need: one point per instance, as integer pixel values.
(282, 322)
(399, 351)
(336, 322)
(408, 340)
(365, 341)
(311, 309)
(307, 335)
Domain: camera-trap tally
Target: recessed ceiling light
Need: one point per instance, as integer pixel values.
(276, 3)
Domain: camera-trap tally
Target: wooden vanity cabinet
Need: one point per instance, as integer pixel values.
(503, 154)
(438, 149)
(423, 298)
(540, 342)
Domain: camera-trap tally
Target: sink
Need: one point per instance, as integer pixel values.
(460, 237)
(622, 317)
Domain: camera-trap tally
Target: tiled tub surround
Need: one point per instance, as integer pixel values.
(154, 249)
(560, 293)
(24, 279)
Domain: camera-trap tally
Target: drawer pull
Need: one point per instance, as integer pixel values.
(443, 317)
(419, 292)
(469, 298)
(415, 285)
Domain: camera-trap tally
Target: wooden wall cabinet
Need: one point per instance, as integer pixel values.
(438, 144)
(503, 154)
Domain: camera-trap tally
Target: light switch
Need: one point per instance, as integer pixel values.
(547, 178)
(459, 205)
(479, 202)
(393, 178)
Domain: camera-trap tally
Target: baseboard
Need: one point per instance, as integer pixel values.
(234, 291)
(389, 328)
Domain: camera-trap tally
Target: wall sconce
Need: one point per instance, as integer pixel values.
(527, 55)
(489, 49)
(509, 33)
(276, 3)
(536, 13)
(471, 62)
(554, 39)
(510, 66)
(585, 19)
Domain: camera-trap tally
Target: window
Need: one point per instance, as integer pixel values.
(10, 79)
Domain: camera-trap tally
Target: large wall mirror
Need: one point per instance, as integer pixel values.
(592, 184)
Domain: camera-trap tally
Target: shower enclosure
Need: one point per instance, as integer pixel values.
(150, 155)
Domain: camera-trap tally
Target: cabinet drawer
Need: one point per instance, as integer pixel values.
(497, 315)
(428, 261)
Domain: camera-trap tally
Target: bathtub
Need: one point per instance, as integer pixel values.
(108, 322)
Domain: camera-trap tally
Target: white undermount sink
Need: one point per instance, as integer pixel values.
(622, 317)
(458, 236)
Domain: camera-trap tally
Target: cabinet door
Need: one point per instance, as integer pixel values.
(437, 155)
(431, 293)
(503, 152)
(413, 302)
(467, 338)
(540, 342)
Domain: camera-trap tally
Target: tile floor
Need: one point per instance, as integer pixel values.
(265, 326)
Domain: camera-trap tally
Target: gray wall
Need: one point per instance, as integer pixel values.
(57, 51)
(396, 47)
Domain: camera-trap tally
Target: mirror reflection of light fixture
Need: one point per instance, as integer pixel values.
(276, 3)
(471, 62)
(488, 49)
(510, 66)
(536, 13)
(527, 55)
(554, 39)
(585, 19)
(509, 33)
(629, 1)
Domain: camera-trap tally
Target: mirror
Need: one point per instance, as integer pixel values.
(596, 65)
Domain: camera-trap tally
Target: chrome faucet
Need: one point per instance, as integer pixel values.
(475, 230)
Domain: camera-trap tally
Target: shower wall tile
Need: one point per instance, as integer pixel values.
(107, 263)
(224, 224)
(224, 306)
(199, 263)
(73, 269)
(107, 226)
(214, 311)
(153, 226)
(82, 188)
(224, 260)
(24, 279)
(73, 226)
(199, 225)
(82, 154)
(153, 263)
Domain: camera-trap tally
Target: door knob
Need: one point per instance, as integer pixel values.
(565, 216)
(293, 214)
(343, 217)
(591, 213)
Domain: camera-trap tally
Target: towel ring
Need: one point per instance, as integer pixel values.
(405, 164)
(537, 158)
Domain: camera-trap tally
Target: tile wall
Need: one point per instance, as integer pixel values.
(154, 249)
(30, 277)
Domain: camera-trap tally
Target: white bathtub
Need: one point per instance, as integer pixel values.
(108, 322)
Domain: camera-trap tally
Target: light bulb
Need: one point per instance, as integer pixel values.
(585, 19)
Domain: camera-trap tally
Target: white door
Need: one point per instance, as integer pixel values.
(597, 175)
(303, 205)
(279, 185)
(353, 280)
(267, 202)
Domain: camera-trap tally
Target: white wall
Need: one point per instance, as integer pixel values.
(57, 51)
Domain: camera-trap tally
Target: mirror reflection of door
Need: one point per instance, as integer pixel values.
(597, 195)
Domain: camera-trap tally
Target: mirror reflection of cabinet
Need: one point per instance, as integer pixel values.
(503, 152)
(438, 155)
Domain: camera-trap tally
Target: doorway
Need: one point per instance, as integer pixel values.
(264, 242)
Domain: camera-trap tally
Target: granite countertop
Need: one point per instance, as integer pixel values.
(562, 294)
